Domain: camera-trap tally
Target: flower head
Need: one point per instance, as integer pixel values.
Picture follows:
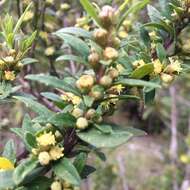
(46, 139)
(56, 152)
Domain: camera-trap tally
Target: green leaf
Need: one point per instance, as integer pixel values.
(65, 170)
(18, 131)
(76, 43)
(154, 14)
(54, 82)
(88, 101)
(62, 120)
(136, 82)
(145, 36)
(35, 106)
(30, 141)
(23, 169)
(80, 162)
(40, 183)
(9, 151)
(104, 128)
(27, 42)
(105, 140)
(27, 124)
(161, 52)
(76, 31)
(6, 179)
(5, 90)
(133, 9)
(19, 22)
(74, 58)
(28, 60)
(89, 8)
(142, 71)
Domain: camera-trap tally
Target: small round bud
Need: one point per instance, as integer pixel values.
(116, 42)
(85, 81)
(110, 53)
(56, 185)
(44, 158)
(12, 52)
(93, 59)
(65, 6)
(97, 92)
(107, 15)
(113, 73)
(9, 59)
(90, 113)
(101, 36)
(82, 123)
(58, 135)
(77, 112)
(106, 81)
(166, 78)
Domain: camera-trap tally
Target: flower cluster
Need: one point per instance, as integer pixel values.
(48, 148)
(59, 185)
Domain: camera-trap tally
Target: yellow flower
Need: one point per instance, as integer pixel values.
(175, 66)
(5, 164)
(157, 66)
(117, 88)
(184, 159)
(46, 139)
(9, 75)
(70, 97)
(82, 123)
(153, 35)
(122, 34)
(56, 185)
(138, 63)
(43, 35)
(49, 51)
(85, 81)
(120, 68)
(56, 152)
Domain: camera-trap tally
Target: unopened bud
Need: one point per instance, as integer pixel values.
(166, 78)
(82, 123)
(97, 92)
(106, 81)
(56, 185)
(77, 112)
(107, 15)
(90, 113)
(101, 36)
(93, 59)
(85, 82)
(44, 158)
(110, 53)
(113, 73)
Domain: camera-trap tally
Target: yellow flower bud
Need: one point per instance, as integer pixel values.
(46, 139)
(107, 15)
(110, 53)
(49, 51)
(9, 75)
(56, 152)
(82, 123)
(93, 59)
(157, 66)
(90, 113)
(97, 92)
(44, 158)
(56, 185)
(166, 78)
(101, 36)
(106, 81)
(65, 6)
(113, 73)
(9, 59)
(77, 112)
(85, 82)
